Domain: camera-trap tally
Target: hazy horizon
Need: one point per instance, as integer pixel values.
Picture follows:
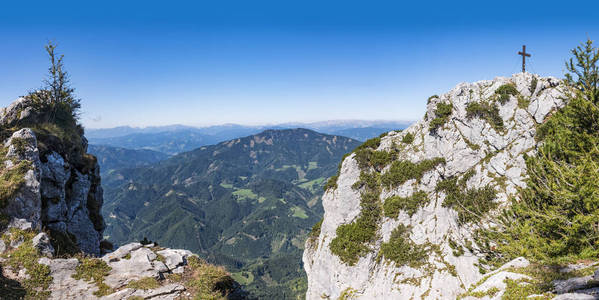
(258, 124)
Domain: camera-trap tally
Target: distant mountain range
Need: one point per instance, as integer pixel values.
(112, 158)
(247, 203)
(175, 139)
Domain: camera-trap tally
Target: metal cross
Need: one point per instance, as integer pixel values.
(524, 56)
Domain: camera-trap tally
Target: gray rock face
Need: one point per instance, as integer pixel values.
(128, 263)
(22, 149)
(465, 144)
(57, 193)
(175, 258)
(76, 213)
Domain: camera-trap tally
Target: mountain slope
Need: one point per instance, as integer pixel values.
(401, 218)
(247, 203)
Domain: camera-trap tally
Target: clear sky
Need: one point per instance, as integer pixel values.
(146, 63)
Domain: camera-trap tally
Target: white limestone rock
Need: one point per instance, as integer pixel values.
(465, 144)
(128, 263)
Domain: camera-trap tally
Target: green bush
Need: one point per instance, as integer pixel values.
(146, 283)
(485, 111)
(410, 204)
(408, 138)
(523, 102)
(372, 143)
(401, 250)
(431, 98)
(26, 257)
(331, 182)
(442, 113)
(353, 239)
(315, 233)
(533, 85)
(404, 170)
(206, 281)
(364, 154)
(555, 218)
(471, 204)
(505, 91)
(94, 270)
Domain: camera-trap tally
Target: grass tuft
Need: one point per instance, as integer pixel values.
(442, 113)
(410, 204)
(94, 270)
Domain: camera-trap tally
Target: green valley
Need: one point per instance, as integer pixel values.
(248, 203)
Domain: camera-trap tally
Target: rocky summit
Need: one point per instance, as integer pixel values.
(51, 227)
(401, 217)
(61, 189)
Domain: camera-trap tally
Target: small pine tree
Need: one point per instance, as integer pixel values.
(56, 95)
(556, 217)
(584, 67)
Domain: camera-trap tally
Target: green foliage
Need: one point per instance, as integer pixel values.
(523, 102)
(583, 72)
(26, 257)
(533, 84)
(331, 182)
(442, 113)
(57, 91)
(352, 240)
(206, 281)
(556, 215)
(315, 233)
(146, 283)
(555, 219)
(379, 159)
(458, 250)
(505, 91)
(264, 234)
(431, 98)
(520, 289)
(470, 203)
(11, 178)
(372, 143)
(486, 111)
(490, 292)
(347, 294)
(94, 270)
(410, 204)
(404, 170)
(401, 250)
(408, 138)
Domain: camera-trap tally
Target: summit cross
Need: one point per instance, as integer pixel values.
(524, 56)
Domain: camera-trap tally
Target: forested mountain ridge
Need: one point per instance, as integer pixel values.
(113, 158)
(244, 203)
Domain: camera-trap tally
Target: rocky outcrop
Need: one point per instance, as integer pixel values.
(133, 271)
(129, 263)
(61, 190)
(50, 206)
(477, 134)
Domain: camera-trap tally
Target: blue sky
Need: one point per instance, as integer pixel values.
(198, 63)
